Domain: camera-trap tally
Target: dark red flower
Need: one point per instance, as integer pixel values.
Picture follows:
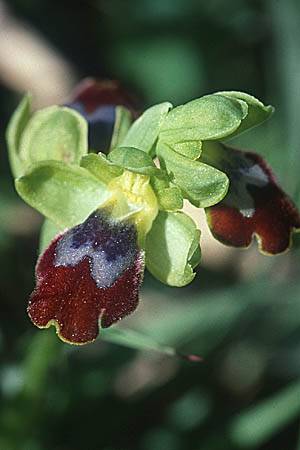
(89, 273)
(96, 100)
(254, 206)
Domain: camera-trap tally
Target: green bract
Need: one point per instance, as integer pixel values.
(172, 248)
(63, 193)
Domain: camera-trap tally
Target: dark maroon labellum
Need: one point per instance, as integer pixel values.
(92, 271)
(97, 100)
(254, 206)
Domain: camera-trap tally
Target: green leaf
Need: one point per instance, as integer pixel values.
(170, 246)
(14, 132)
(42, 353)
(257, 111)
(48, 232)
(140, 341)
(168, 194)
(209, 117)
(100, 167)
(136, 340)
(63, 193)
(202, 184)
(255, 426)
(133, 159)
(144, 131)
(123, 122)
(54, 133)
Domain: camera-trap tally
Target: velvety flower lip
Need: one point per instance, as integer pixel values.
(91, 271)
(96, 100)
(254, 206)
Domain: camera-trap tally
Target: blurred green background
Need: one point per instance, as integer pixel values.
(242, 313)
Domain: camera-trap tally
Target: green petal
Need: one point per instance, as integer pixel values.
(144, 131)
(257, 111)
(54, 133)
(63, 193)
(14, 132)
(100, 167)
(134, 160)
(209, 117)
(122, 124)
(266, 418)
(202, 184)
(170, 248)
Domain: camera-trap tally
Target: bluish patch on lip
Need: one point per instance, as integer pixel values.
(96, 101)
(104, 113)
(110, 246)
(101, 124)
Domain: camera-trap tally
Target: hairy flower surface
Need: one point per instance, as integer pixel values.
(255, 205)
(91, 271)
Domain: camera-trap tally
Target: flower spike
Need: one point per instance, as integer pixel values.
(123, 210)
(92, 271)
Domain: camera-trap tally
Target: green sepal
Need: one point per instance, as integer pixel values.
(144, 131)
(200, 183)
(48, 232)
(54, 133)
(169, 195)
(100, 167)
(209, 117)
(14, 132)
(257, 111)
(64, 193)
(172, 248)
(133, 159)
(123, 122)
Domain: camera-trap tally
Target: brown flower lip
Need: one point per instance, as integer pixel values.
(88, 274)
(254, 206)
